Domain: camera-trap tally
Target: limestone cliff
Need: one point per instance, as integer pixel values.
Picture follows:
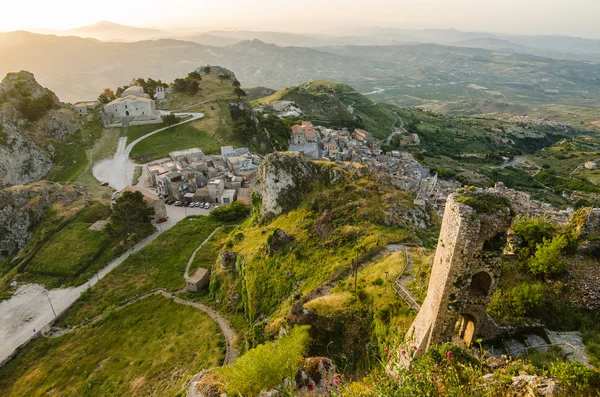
(286, 178)
(22, 207)
(31, 120)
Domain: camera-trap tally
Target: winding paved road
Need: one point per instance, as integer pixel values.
(398, 130)
(118, 171)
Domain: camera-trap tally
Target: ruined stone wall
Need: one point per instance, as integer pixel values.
(464, 275)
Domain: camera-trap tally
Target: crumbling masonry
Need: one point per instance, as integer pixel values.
(465, 271)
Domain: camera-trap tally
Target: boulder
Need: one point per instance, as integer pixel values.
(277, 241)
(229, 260)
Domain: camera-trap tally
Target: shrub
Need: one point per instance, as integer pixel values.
(533, 230)
(267, 366)
(522, 300)
(233, 212)
(547, 261)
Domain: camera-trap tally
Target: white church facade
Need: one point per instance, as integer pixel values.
(133, 107)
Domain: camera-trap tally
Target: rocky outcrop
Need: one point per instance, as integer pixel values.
(277, 241)
(229, 260)
(31, 120)
(22, 207)
(286, 179)
(21, 159)
(587, 228)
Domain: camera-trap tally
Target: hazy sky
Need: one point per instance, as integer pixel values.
(574, 17)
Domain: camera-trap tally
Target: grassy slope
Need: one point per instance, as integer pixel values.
(159, 265)
(373, 314)
(207, 255)
(147, 348)
(66, 252)
(69, 250)
(70, 158)
(349, 217)
(328, 103)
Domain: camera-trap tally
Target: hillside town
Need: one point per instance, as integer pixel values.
(401, 168)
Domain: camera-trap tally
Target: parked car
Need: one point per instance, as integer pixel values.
(186, 204)
(178, 204)
(104, 184)
(206, 206)
(161, 220)
(169, 202)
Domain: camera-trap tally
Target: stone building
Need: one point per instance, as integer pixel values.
(465, 271)
(133, 104)
(198, 281)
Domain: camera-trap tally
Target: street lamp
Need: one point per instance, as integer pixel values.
(50, 302)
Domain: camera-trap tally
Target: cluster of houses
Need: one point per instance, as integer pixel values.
(190, 175)
(404, 171)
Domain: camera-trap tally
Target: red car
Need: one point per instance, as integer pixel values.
(161, 220)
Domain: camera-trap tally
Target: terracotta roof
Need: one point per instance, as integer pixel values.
(147, 195)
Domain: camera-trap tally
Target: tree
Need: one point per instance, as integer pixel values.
(131, 216)
(194, 76)
(169, 119)
(239, 92)
(107, 96)
(206, 69)
(236, 83)
(273, 365)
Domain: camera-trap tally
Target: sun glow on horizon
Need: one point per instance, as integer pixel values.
(577, 17)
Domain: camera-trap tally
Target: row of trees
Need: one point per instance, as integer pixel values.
(150, 85)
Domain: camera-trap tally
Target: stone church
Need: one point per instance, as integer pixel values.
(133, 105)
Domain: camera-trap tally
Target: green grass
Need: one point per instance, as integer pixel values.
(330, 228)
(147, 348)
(208, 254)
(137, 131)
(69, 251)
(159, 265)
(103, 148)
(181, 137)
(70, 156)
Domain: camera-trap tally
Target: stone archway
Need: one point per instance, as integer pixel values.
(127, 113)
(481, 283)
(467, 328)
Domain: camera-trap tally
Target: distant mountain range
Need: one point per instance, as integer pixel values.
(406, 74)
(560, 47)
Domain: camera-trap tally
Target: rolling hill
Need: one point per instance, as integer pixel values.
(337, 104)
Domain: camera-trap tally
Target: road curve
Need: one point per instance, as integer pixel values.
(118, 171)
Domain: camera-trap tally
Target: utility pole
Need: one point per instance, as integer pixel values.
(355, 272)
(52, 307)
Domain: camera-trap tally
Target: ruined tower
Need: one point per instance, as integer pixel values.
(465, 271)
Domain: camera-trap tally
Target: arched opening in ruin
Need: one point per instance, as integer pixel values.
(495, 244)
(127, 113)
(480, 284)
(467, 328)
